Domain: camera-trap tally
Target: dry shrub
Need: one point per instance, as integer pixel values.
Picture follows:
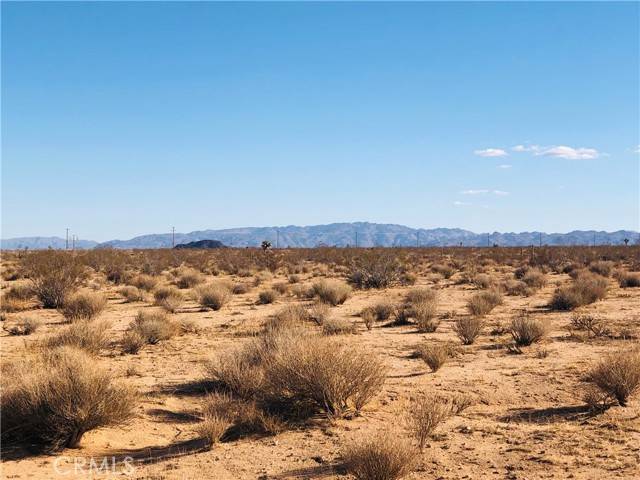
(83, 306)
(520, 272)
(212, 428)
(596, 326)
(12, 305)
(383, 310)
(483, 280)
(526, 330)
(534, 278)
(168, 298)
(154, 327)
(618, 375)
(628, 279)
(338, 326)
(293, 278)
(50, 401)
(144, 282)
(602, 267)
(189, 278)
(435, 354)
(288, 317)
(426, 412)
(468, 328)
(418, 295)
(374, 270)
(517, 287)
(132, 341)
(267, 296)
(424, 314)
(331, 291)
(23, 326)
(320, 313)
(53, 275)
(281, 287)
(408, 278)
(385, 455)
(131, 294)
(586, 288)
(368, 316)
(240, 288)
(291, 366)
(302, 292)
(446, 271)
(482, 303)
(212, 296)
(88, 336)
(19, 292)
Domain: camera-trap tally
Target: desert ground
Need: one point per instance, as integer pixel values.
(512, 411)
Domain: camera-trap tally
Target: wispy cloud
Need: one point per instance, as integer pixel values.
(500, 193)
(637, 149)
(526, 148)
(504, 166)
(491, 152)
(458, 203)
(570, 153)
(474, 192)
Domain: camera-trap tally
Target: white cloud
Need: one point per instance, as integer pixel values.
(637, 149)
(499, 193)
(504, 166)
(474, 192)
(570, 153)
(491, 152)
(526, 148)
(461, 204)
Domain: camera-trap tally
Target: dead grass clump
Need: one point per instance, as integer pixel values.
(534, 278)
(281, 287)
(517, 288)
(323, 374)
(88, 336)
(212, 296)
(383, 456)
(51, 400)
(586, 288)
(338, 326)
(267, 296)
(418, 295)
(240, 288)
(212, 428)
(483, 281)
(446, 271)
(12, 305)
(154, 327)
(83, 306)
(435, 355)
(294, 278)
(383, 310)
(618, 375)
(482, 303)
(19, 292)
(132, 342)
(188, 278)
(602, 267)
(526, 330)
(468, 328)
(289, 316)
(374, 270)
(144, 282)
(628, 279)
(331, 291)
(24, 326)
(368, 316)
(53, 275)
(131, 294)
(168, 298)
(424, 314)
(320, 313)
(425, 413)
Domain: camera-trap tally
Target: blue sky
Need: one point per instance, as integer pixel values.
(121, 119)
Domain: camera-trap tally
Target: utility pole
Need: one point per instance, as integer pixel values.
(540, 241)
(356, 239)
(418, 239)
(488, 236)
(173, 237)
(277, 238)
(66, 247)
(594, 239)
(73, 241)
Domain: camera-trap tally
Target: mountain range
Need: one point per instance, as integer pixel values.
(362, 234)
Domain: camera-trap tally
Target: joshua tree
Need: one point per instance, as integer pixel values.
(266, 245)
(626, 241)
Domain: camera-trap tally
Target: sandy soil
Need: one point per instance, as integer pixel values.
(528, 420)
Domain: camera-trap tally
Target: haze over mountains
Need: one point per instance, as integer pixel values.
(341, 235)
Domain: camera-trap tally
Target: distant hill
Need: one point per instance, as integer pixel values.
(202, 244)
(42, 243)
(344, 234)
